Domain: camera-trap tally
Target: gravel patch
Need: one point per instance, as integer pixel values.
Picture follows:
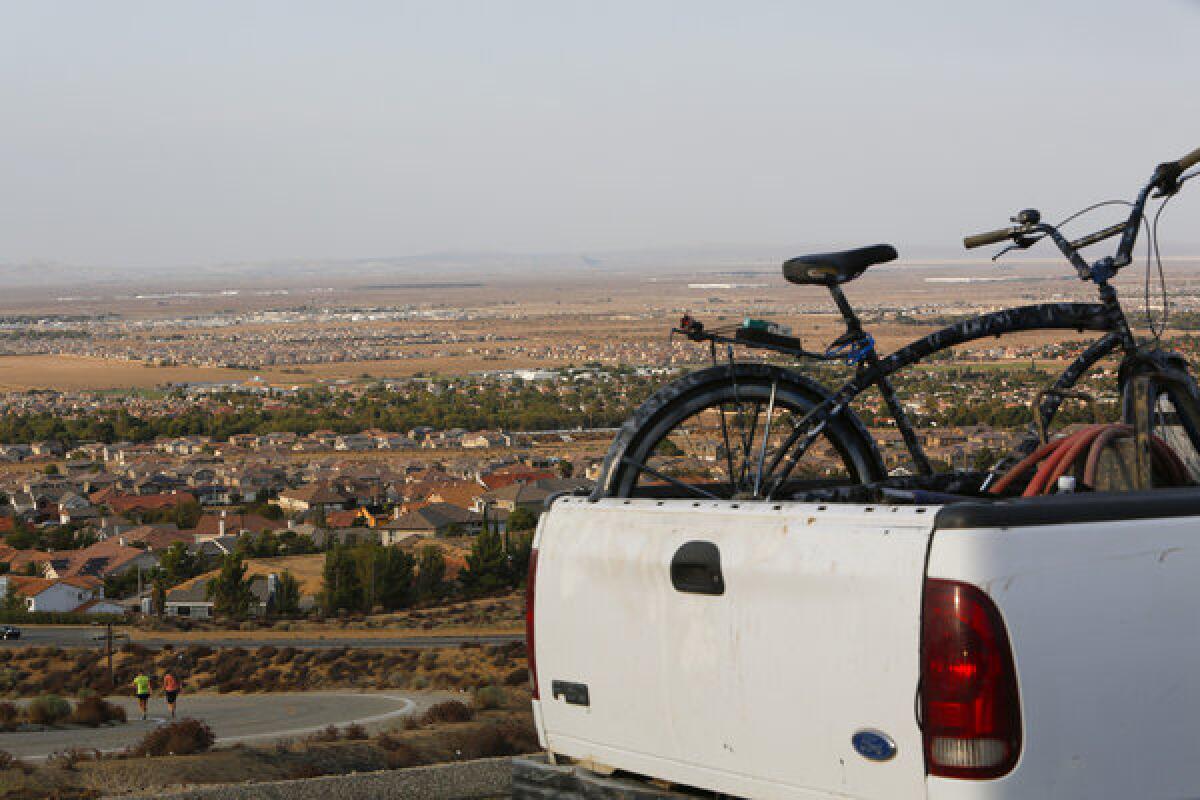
(483, 779)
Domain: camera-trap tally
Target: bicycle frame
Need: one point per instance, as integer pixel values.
(1106, 317)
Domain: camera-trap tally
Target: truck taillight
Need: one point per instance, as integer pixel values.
(970, 708)
(530, 589)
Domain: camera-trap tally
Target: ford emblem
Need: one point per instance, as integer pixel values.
(874, 745)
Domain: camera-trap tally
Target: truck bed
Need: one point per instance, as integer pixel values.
(760, 683)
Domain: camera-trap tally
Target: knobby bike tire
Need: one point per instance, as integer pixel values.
(727, 384)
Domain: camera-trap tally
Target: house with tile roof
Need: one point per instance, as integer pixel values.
(311, 497)
(434, 519)
(463, 494)
(128, 503)
(532, 495)
(47, 594)
(99, 560)
(517, 473)
(234, 522)
(190, 598)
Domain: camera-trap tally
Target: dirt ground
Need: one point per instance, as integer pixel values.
(507, 730)
(490, 615)
(71, 373)
(33, 671)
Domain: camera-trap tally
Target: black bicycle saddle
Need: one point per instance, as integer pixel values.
(830, 269)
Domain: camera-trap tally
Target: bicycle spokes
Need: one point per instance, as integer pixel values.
(729, 448)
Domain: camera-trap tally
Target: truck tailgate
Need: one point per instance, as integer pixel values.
(813, 638)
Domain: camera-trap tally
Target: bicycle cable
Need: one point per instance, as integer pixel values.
(1157, 331)
(1093, 207)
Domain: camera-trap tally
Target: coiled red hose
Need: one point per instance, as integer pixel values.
(1056, 458)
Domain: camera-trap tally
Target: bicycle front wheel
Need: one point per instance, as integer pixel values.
(719, 432)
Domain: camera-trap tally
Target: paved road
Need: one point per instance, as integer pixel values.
(84, 636)
(235, 718)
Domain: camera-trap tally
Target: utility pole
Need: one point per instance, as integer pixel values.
(108, 638)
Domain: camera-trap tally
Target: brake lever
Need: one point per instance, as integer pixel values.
(1020, 242)
(1166, 179)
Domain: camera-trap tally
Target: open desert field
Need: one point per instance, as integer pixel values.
(622, 317)
(76, 372)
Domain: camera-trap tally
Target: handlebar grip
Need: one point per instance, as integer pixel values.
(991, 237)
(1190, 160)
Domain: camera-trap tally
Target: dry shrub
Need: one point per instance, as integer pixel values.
(304, 770)
(401, 755)
(136, 650)
(505, 738)
(8, 760)
(196, 652)
(448, 711)
(354, 732)
(487, 698)
(327, 734)
(96, 711)
(49, 709)
(9, 716)
(517, 677)
(67, 759)
(178, 738)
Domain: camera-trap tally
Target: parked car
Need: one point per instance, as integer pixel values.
(10, 632)
(1036, 647)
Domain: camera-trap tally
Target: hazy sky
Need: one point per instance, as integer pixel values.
(176, 133)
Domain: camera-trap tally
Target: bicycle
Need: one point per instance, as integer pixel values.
(781, 415)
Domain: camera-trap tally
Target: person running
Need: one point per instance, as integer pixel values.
(141, 688)
(171, 691)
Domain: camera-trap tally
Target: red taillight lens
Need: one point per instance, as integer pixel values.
(530, 589)
(970, 708)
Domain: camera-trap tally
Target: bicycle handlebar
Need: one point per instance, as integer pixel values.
(1190, 160)
(1166, 180)
(991, 237)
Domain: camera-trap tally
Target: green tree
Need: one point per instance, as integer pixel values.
(158, 598)
(487, 564)
(522, 519)
(178, 564)
(665, 448)
(398, 586)
(23, 537)
(431, 573)
(287, 594)
(317, 518)
(520, 548)
(51, 469)
(230, 590)
(386, 576)
(187, 515)
(12, 601)
(342, 588)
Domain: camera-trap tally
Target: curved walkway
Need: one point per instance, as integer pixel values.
(234, 718)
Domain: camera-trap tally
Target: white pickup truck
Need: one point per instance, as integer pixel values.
(1031, 648)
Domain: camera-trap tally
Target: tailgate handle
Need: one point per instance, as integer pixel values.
(696, 569)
